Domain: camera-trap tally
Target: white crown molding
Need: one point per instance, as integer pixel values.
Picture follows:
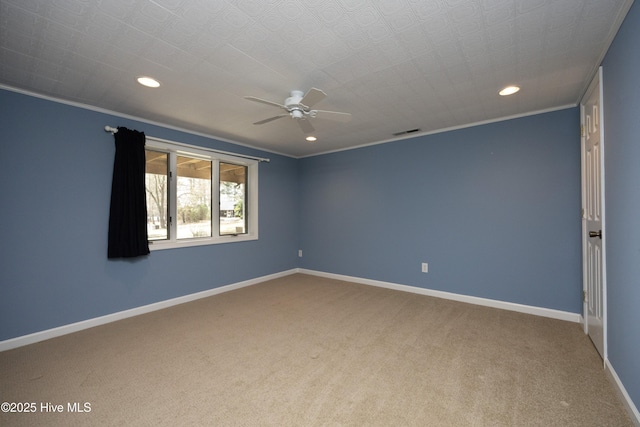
(400, 138)
(449, 129)
(139, 119)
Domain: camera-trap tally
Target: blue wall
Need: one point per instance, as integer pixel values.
(493, 209)
(55, 183)
(621, 70)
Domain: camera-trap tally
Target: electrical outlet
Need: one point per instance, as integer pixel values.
(299, 253)
(425, 267)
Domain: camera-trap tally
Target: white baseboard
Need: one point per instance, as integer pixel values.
(90, 323)
(97, 321)
(538, 311)
(631, 408)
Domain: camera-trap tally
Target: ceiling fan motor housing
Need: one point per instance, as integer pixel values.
(294, 100)
(293, 105)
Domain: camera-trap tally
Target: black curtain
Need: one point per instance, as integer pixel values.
(128, 214)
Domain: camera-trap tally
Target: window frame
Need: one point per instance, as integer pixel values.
(174, 149)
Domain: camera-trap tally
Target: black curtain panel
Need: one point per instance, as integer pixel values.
(128, 214)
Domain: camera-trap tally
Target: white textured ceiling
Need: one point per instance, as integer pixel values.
(394, 65)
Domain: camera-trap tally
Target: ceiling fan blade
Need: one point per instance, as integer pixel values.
(264, 101)
(332, 115)
(305, 125)
(270, 119)
(312, 97)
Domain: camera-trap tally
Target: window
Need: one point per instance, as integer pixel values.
(193, 197)
(198, 197)
(157, 164)
(233, 191)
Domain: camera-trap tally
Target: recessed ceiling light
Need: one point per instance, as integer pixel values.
(509, 90)
(311, 138)
(148, 81)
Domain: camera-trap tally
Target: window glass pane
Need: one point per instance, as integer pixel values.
(157, 194)
(193, 199)
(233, 199)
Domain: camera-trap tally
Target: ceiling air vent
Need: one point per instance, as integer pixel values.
(404, 132)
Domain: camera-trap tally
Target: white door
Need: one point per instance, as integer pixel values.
(594, 270)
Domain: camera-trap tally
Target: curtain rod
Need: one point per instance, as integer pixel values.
(260, 159)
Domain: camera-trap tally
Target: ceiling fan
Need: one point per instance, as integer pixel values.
(298, 106)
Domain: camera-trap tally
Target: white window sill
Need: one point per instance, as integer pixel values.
(157, 245)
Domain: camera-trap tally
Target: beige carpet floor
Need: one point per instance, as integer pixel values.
(309, 351)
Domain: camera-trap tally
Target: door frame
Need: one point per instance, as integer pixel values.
(597, 79)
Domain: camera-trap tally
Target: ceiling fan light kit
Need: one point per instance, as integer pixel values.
(298, 106)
